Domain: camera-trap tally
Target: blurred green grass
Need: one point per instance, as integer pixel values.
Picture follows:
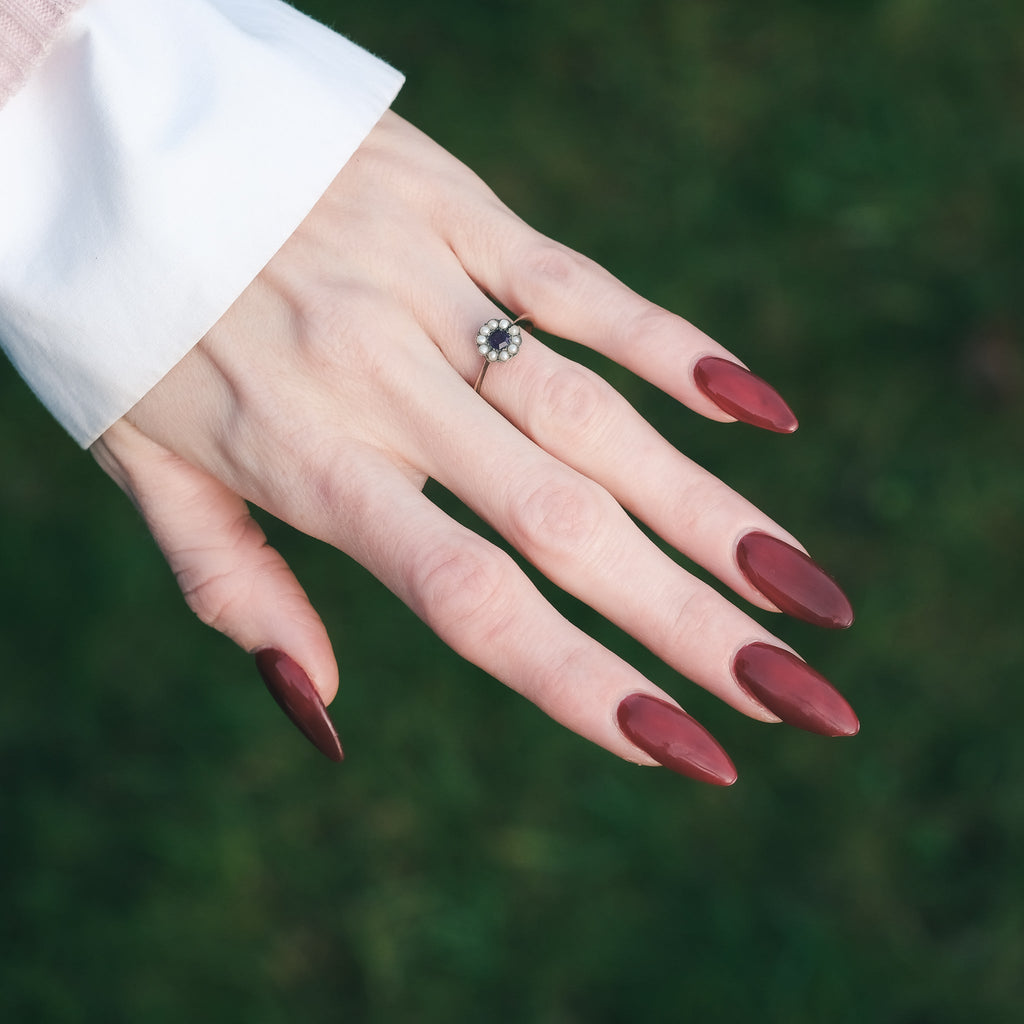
(835, 193)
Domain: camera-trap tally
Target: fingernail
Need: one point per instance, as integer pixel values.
(735, 390)
(674, 739)
(785, 684)
(298, 699)
(793, 581)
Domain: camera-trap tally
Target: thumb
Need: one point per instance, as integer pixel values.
(229, 575)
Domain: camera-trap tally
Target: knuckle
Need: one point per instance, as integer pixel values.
(219, 583)
(460, 587)
(656, 325)
(562, 515)
(551, 267)
(693, 617)
(564, 678)
(323, 466)
(215, 599)
(577, 400)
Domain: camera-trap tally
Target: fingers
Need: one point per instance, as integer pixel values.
(558, 501)
(583, 422)
(230, 577)
(573, 297)
(482, 605)
(579, 537)
(563, 292)
(574, 531)
(577, 417)
(332, 423)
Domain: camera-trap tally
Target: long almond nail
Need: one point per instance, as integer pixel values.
(674, 739)
(735, 390)
(297, 697)
(793, 581)
(785, 684)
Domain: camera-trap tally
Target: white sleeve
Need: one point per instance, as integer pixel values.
(149, 169)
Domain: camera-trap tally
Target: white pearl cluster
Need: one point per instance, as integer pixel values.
(483, 343)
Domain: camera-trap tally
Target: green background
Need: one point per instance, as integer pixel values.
(834, 191)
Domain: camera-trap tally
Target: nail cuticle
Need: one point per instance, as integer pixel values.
(773, 718)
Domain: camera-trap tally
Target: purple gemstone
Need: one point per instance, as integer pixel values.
(498, 340)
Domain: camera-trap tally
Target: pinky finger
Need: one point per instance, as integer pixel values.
(230, 577)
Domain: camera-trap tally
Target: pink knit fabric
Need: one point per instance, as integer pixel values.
(27, 30)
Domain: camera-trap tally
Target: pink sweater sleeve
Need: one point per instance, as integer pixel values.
(27, 28)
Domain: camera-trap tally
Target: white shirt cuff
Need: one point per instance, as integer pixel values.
(149, 169)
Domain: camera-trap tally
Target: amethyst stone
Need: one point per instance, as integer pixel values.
(498, 340)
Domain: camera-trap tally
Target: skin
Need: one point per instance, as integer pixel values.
(341, 379)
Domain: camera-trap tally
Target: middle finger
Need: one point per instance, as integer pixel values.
(574, 531)
(582, 421)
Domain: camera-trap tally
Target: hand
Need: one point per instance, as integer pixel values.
(342, 379)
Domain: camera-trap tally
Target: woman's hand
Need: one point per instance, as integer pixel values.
(342, 379)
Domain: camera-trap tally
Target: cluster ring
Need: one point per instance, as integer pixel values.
(498, 340)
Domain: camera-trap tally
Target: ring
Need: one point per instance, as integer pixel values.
(498, 340)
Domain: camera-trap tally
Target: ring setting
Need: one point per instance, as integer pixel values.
(498, 340)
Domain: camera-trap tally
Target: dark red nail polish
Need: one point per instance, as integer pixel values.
(674, 739)
(735, 390)
(793, 581)
(793, 690)
(298, 699)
